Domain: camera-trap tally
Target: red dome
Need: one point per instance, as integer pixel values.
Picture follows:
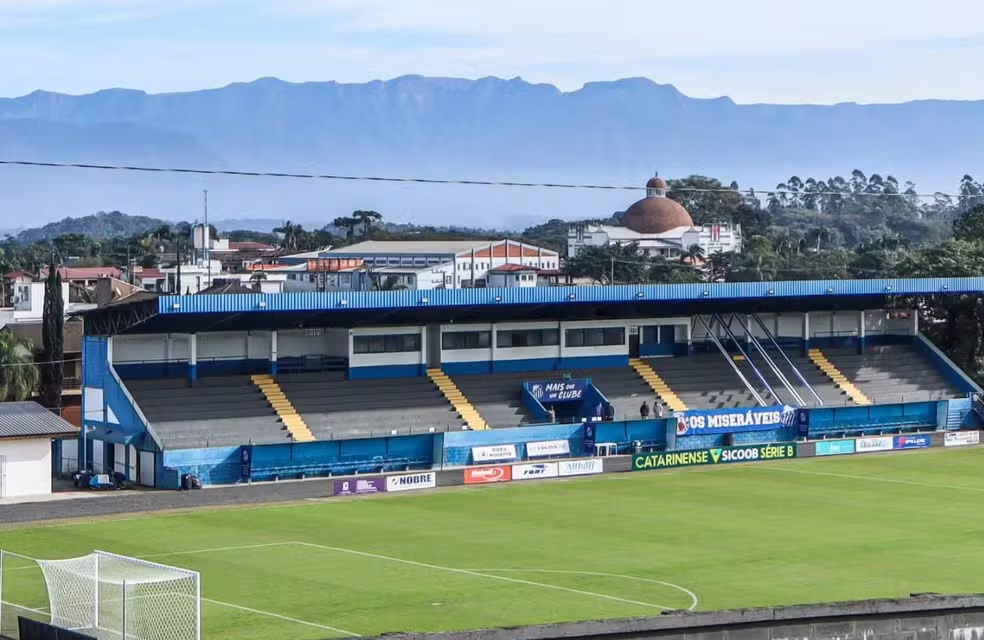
(656, 215)
(656, 183)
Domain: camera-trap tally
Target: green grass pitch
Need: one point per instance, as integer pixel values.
(611, 546)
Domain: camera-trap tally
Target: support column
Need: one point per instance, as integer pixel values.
(273, 353)
(493, 337)
(806, 332)
(690, 337)
(192, 358)
(915, 322)
(861, 332)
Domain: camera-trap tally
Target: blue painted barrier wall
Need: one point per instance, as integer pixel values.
(875, 418)
(222, 465)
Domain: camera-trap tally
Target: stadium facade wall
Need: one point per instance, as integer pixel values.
(113, 426)
(230, 353)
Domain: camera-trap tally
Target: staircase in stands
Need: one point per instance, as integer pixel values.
(458, 400)
(295, 424)
(839, 379)
(657, 384)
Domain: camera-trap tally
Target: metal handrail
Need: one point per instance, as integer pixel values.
(727, 356)
(795, 369)
(747, 358)
(747, 327)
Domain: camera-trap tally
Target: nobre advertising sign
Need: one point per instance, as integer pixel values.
(718, 455)
(412, 482)
(535, 471)
(494, 453)
(359, 486)
(961, 438)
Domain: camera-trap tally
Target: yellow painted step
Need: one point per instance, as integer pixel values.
(657, 384)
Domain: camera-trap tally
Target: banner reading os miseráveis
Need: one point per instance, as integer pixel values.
(690, 423)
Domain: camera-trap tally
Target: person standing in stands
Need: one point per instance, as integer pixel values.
(553, 414)
(600, 411)
(610, 412)
(644, 410)
(659, 408)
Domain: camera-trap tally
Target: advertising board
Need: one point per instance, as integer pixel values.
(553, 391)
(412, 481)
(548, 448)
(535, 471)
(961, 438)
(689, 423)
(359, 486)
(835, 447)
(912, 442)
(718, 455)
(494, 453)
(488, 475)
(881, 443)
(592, 466)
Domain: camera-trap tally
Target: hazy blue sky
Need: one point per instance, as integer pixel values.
(753, 50)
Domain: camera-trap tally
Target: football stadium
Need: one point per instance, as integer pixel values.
(438, 461)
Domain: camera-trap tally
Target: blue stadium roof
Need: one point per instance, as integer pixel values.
(201, 313)
(366, 300)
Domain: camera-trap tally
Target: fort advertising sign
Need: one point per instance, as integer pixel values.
(717, 455)
(690, 423)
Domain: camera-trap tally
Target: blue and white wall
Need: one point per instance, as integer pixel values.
(823, 328)
(388, 363)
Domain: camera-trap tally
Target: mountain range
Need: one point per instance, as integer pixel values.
(488, 129)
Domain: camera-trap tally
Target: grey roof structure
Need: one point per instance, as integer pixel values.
(31, 420)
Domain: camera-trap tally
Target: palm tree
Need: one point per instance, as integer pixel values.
(289, 231)
(18, 372)
(693, 255)
(256, 278)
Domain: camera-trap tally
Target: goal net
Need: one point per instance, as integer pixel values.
(108, 596)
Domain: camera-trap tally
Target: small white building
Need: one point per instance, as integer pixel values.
(513, 276)
(660, 227)
(27, 433)
(194, 277)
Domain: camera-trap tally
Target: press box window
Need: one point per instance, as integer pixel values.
(387, 343)
(466, 340)
(599, 337)
(528, 338)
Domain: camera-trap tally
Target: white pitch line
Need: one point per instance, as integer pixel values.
(42, 611)
(690, 594)
(192, 552)
(847, 476)
(488, 576)
(280, 617)
(219, 602)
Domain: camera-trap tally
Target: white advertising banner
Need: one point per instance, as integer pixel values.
(535, 470)
(580, 467)
(548, 448)
(867, 445)
(494, 453)
(961, 438)
(412, 482)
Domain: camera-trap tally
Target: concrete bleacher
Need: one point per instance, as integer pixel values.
(216, 412)
(704, 381)
(498, 396)
(830, 395)
(893, 373)
(335, 407)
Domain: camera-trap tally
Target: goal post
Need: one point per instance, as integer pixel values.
(106, 595)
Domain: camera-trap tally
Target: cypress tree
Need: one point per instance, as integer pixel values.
(53, 336)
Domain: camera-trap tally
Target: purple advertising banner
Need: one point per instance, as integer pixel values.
(359, 486)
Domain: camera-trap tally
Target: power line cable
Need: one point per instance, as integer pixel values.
(469, 182)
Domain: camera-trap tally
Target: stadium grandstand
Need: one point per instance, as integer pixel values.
(256, 386)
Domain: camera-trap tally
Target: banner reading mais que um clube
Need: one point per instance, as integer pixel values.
(717, 455)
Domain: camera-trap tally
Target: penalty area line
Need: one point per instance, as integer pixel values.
(487, 576)
(281, 617)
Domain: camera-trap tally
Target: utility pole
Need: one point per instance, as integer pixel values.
(611, 278)
(207, 242)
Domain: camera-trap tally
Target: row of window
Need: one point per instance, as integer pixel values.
(398, 343)
(592, 337)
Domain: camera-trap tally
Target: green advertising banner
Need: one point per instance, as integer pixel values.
(717, 455)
